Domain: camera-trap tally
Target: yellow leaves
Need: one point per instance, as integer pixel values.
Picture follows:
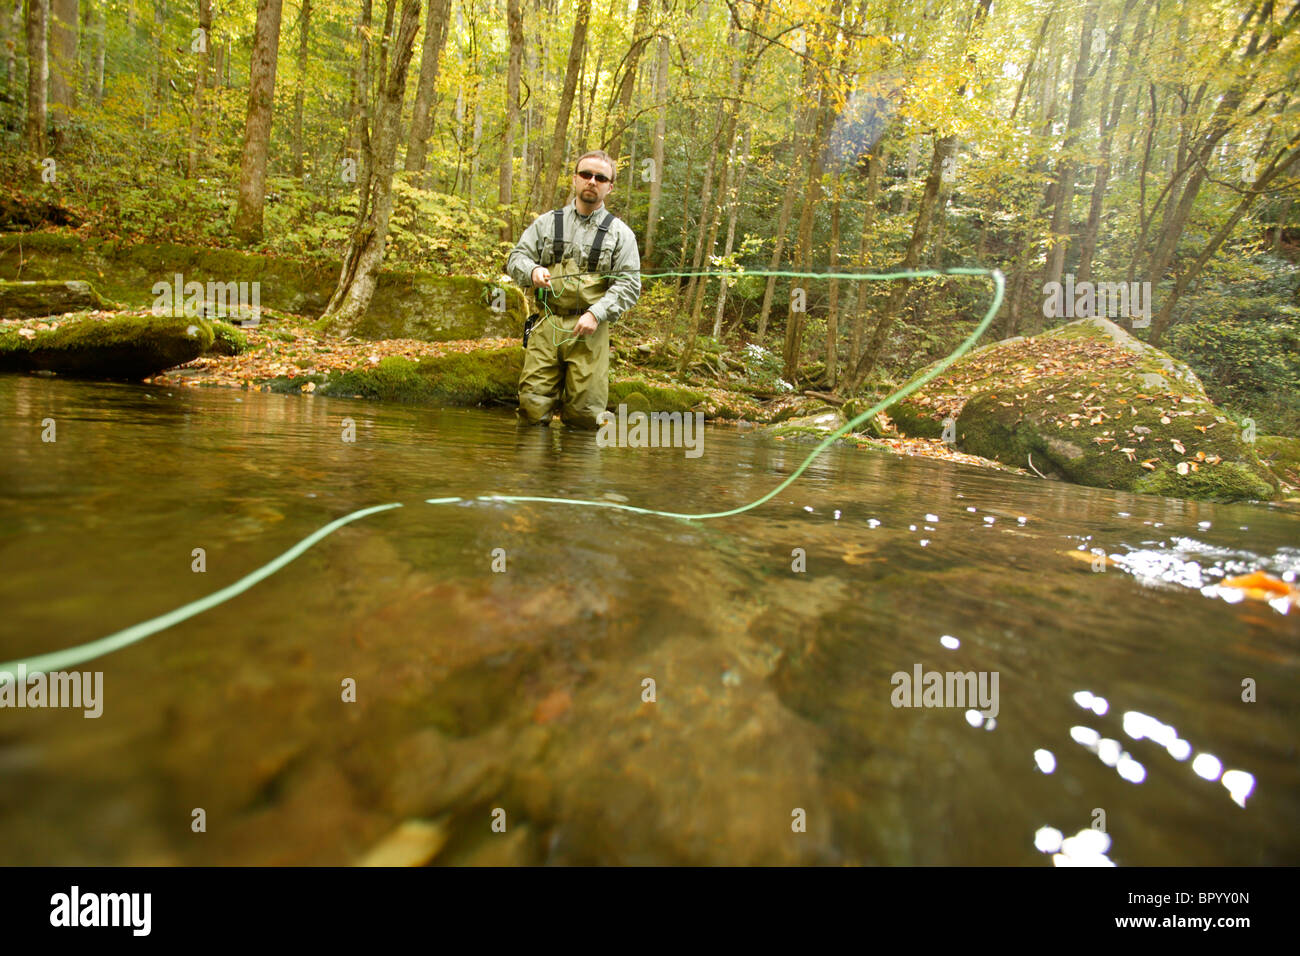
(1089, 557)
(1260, 586)
(1150, 464)
(855, 554)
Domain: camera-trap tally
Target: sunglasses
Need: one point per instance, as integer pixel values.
(588, 175)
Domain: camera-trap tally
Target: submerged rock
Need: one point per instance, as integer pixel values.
(122, 347)
(1092, 404)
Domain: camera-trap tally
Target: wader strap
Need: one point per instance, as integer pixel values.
(593, 260)
(557, 245)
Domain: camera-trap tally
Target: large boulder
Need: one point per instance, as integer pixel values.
(122, 347)
(21, 300)
(1090, 403)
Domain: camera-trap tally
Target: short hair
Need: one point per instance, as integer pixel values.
(602, 156)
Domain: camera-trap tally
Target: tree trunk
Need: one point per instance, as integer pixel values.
(1106, 131)
(551, 190)
(1265, 37)
(1284, 161)
(639, 40)
(943, 149)
(358, 145)
(37, 77)
(833, 313)
(868, 224)
(357, 280)
(1061, 214)
(257, 129)
(101, 42)
(657, 149)
(63, 68)
(156, 64)
(435, 37)
(812, 192)
(12, 16)
(300, 94)
(200, 80)
(733, 210)
(505, 187)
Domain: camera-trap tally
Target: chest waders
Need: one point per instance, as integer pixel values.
(561, 366)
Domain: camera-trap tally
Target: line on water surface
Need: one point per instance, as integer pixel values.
(81, 653)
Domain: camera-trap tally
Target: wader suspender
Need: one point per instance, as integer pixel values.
(557, 253)
(557, 242)
(593, 260)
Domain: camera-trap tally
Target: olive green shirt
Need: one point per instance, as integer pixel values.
(618, 257)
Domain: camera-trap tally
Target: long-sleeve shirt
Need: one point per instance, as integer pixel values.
(618, 256)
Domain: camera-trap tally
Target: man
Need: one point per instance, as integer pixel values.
(585, 272)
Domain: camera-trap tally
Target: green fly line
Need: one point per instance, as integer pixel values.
(81, 653)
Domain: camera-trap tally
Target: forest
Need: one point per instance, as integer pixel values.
(1147, 143)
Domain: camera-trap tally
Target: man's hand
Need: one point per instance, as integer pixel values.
(586, 324)
(542, 277)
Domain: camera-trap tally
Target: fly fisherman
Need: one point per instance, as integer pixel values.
(583, 265)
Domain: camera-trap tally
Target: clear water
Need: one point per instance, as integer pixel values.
(524, 690)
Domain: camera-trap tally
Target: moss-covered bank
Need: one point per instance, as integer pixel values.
(405, 305)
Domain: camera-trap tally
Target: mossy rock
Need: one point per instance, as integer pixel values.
(1281, 456)
(473, 378)
(1089, 403)
(636, 402)
(817, 425)
(1227, 481)
(228, 340)
(658, 398)
(22, 300)
(122, 347)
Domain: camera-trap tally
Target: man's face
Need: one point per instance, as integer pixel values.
(585, 182)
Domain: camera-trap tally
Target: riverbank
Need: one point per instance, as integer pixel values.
(286, 353)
